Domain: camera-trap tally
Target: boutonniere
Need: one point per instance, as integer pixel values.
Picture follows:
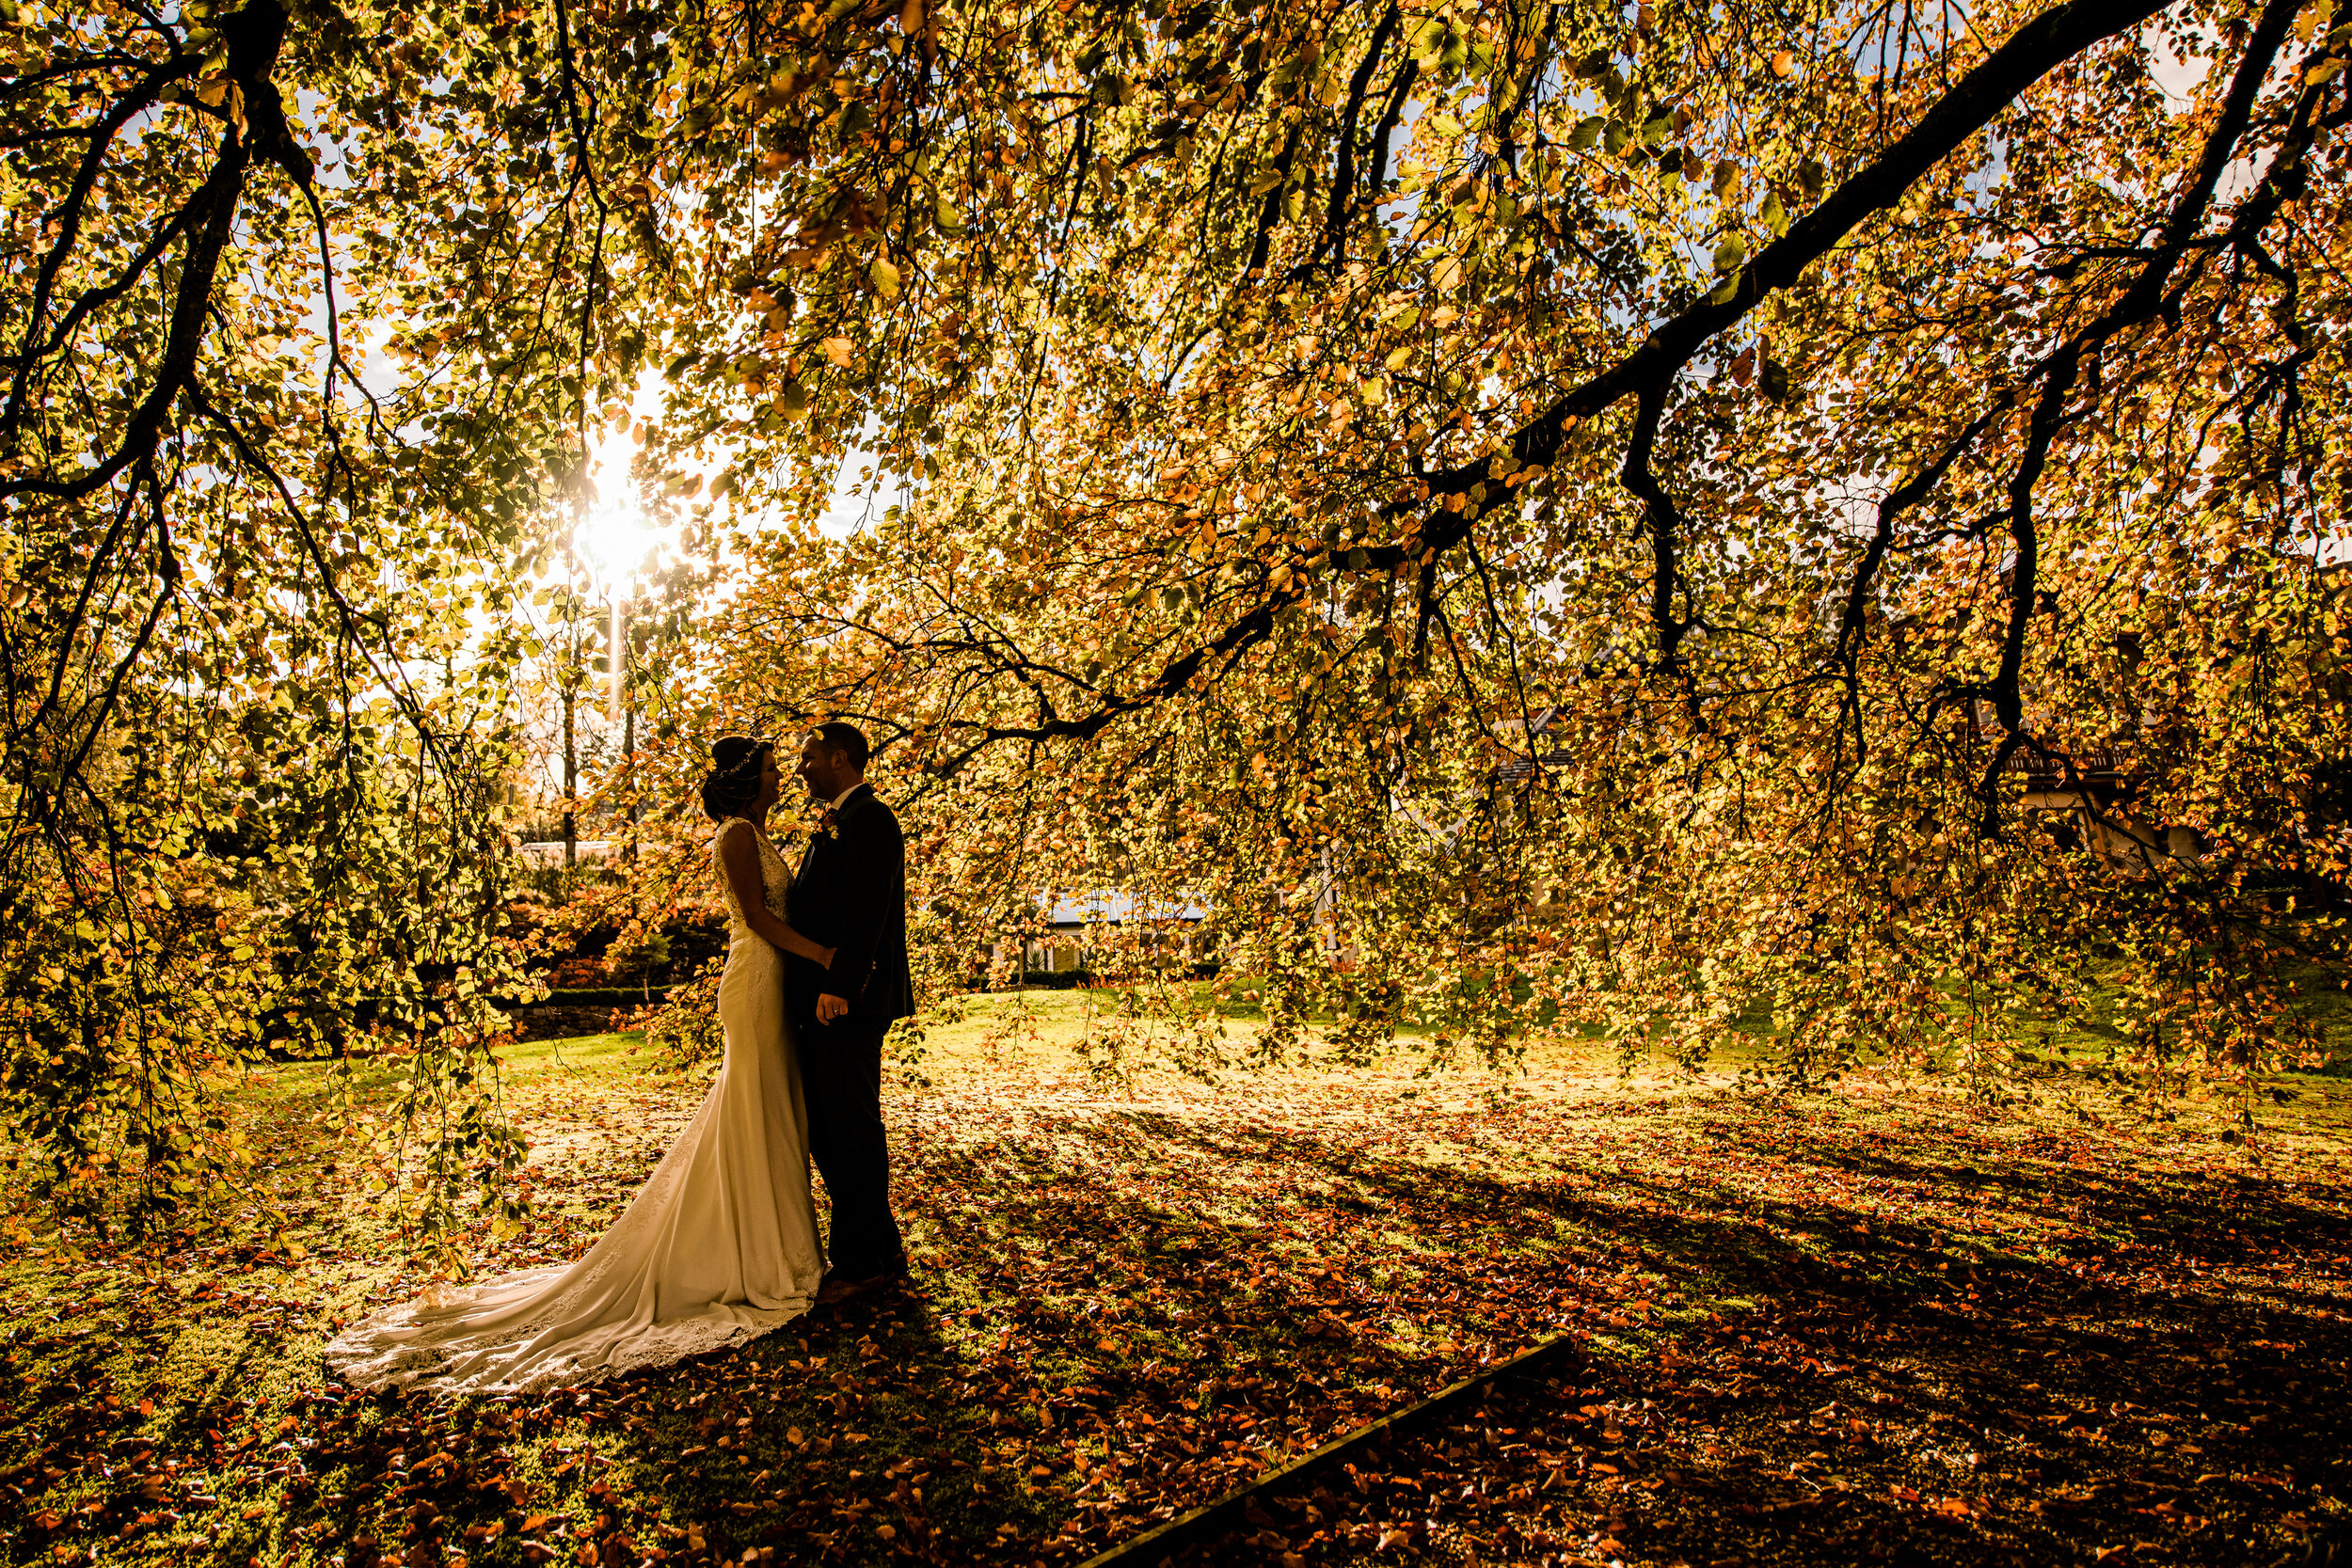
(829, 824)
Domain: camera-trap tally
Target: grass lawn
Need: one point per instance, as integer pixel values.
(1885, 1324)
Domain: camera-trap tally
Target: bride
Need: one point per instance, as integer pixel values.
(720, 1244)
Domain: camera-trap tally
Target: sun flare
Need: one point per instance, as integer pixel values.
(613, 534)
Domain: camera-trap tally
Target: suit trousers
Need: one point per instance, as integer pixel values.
(841, 1077)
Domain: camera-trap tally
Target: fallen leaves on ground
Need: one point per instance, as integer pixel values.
(1848, 1328)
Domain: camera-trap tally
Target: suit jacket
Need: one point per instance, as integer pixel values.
(851, 895)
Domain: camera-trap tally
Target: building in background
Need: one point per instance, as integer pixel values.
(1082, 928)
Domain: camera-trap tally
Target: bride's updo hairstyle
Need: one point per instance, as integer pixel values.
(733, 782)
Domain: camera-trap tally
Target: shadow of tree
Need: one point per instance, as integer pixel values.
(2151, 1374)
(1811, 1336)
(1141, 1312)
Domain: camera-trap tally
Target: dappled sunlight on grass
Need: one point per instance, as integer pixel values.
(1889, 1319)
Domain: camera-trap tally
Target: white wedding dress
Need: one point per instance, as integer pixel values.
(720, 1246)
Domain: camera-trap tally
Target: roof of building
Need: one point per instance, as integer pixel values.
(550, 851)
(1110, 907)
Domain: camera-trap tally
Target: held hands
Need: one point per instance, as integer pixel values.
(830, 1007)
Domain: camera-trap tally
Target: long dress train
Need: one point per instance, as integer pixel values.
(720, 1246)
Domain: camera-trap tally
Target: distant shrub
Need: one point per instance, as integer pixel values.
(639, 961)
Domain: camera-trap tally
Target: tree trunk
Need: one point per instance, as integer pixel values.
(571, 786)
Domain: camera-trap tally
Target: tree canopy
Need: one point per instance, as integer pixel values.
(1530, 513)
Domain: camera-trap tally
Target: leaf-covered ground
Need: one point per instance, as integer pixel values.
(1883, 1324)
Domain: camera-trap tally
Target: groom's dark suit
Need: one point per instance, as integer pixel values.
(851, 895)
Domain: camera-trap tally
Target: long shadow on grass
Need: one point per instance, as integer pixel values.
(827, 1440)
(2131, 1394)
(2218, 1217)
(1114, 1353)
(1139, 1313)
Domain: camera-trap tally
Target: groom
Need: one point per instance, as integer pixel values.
(850, 896)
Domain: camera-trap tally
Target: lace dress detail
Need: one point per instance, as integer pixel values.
(719, 1246)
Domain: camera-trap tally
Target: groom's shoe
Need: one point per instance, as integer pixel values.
(835, 1289)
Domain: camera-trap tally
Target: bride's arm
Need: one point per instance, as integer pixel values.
(738, 854)
(792, 942)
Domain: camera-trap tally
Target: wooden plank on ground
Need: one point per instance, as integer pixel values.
(1214, 1519)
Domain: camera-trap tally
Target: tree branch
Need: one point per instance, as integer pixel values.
(1343, 174)
(217, 199)
(69, 222)
(2139, 303)
(2032, 52)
